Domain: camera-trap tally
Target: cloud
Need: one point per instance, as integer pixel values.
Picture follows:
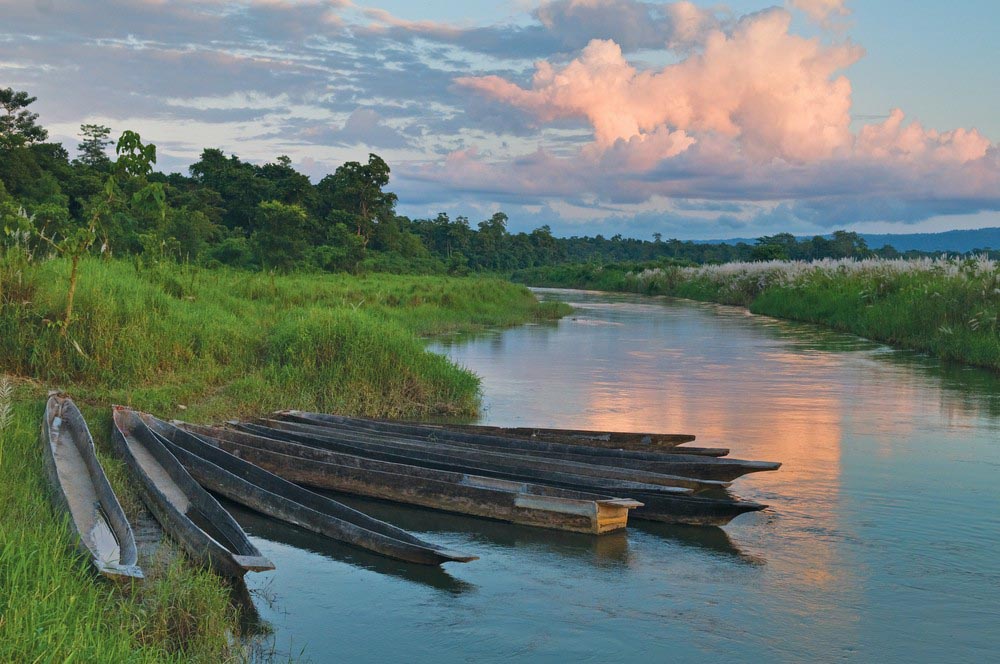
(634, 109)
(362, 127)
(821, 11)
(564, 26)
(777, 94)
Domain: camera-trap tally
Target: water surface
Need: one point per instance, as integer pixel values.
(882, 542)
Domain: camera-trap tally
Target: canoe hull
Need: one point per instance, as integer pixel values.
(269, 494)
(182, 507)
(81, 490)
(492, 498)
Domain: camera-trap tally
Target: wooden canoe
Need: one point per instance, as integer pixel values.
(663, 464)
(184, 509)
(626, 440)
(690, 472)
(368, 445)
(502, 441)
(659, 503)
(516, 502)
(81, 489)
(252, 486)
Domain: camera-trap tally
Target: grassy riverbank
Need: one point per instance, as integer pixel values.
(949, 308)
(202, 345)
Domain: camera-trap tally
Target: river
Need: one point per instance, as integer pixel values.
(881, 542)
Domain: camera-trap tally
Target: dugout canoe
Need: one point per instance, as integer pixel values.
(659, 503)
(81, 489)
(252, 486)
(186, 511)
(676, 464)
(429, 461)
(504, 500)
(685, 471)
(627, 440)
(501, 441)
(376, 447)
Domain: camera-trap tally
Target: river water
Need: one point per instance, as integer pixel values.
(881, 543)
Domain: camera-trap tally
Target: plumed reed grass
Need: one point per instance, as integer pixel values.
(948, 307)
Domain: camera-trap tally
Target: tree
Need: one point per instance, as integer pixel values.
(17, 123)
(93, 147)
(358, 189)
(280, 240)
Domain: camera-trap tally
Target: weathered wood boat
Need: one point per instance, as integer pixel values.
(600, 439)
(516, 502)
(652, 462)
(502, 441)
(356, 443)
(81, 489)
(677, 465)
(436, 462)
(252, 486)
(664, 504)
(184, 509)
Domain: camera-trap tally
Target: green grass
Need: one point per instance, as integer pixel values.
(202, 345)
(948, 308)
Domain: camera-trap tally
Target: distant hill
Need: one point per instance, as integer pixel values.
(947, 241)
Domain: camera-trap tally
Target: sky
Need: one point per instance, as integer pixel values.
(696, 120)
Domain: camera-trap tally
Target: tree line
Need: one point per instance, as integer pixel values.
(228, 211)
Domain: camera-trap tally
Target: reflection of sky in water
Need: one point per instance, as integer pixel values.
(880, 543)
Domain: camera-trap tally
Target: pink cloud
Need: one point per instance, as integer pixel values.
(777, 95)
(774, 95)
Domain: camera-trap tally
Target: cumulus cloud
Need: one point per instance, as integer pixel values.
(777, 94)
(750, 120)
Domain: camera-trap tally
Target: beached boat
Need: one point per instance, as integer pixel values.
(252, 486)
(625, 440)
(184, 509)
(517, 502)
(685, 471)
(659, 503)
(81, 489)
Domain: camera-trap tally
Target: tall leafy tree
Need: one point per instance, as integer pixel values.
(358, 189)
(93, 147)
(18, 126)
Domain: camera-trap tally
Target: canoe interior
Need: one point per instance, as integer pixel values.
(184, 509)
(81, 488)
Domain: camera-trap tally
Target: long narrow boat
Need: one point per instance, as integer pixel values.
(501, 441)
(517, 502)
(297, 460)
(670, 473)
(184, 509)
(81, 489)
(583, 483)
(353, 443)
(252, 486)
(655, 462)
(611, 439)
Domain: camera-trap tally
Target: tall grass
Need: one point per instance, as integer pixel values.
(203, 345)
(947, 307)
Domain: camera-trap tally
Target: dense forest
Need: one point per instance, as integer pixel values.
(233, 212)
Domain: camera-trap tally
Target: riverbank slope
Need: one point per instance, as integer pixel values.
(202, 345)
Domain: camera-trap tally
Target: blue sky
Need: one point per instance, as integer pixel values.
(695, 120)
